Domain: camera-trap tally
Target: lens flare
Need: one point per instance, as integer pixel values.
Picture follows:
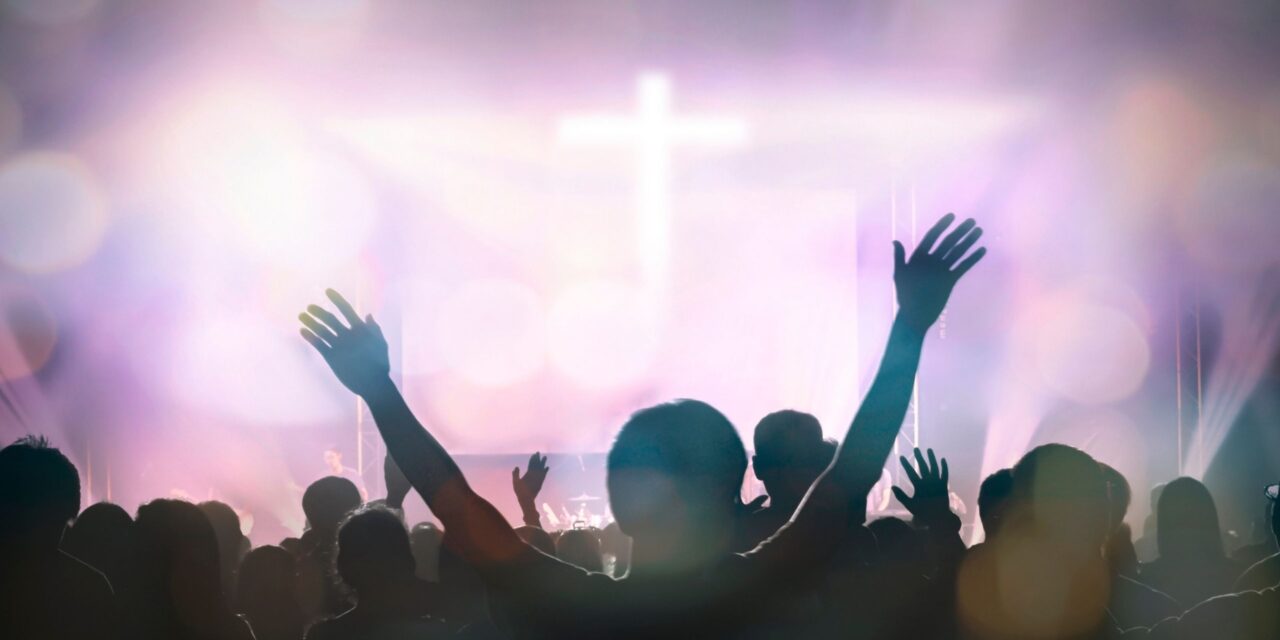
(52, 212)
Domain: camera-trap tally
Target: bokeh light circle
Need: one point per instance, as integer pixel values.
(52, 212)
(28, 333)
(1090, 353)
(602, 335)
(493, 332)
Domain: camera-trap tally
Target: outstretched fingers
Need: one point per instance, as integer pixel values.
(317, 330)
(953, 256)
(911, 473)
(954, 237)
(344, 307)
(328, 319)
(320, 345)
(931, 236)
(968, 263)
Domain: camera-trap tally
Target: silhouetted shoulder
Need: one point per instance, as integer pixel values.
(1249, 615)
(1264, 574)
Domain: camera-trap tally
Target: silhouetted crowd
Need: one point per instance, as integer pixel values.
(684, 558)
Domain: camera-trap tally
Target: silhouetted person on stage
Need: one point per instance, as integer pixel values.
(674, 474)
(44, 592)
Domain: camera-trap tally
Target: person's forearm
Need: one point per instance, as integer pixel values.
(861, 455)
(871, 435)
(437, 478)
(529, 511)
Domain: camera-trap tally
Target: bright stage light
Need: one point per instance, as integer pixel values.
(52, 212)
(255, 177)
(493, 332)
(210, 362)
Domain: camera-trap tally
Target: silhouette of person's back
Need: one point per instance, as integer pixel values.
(993, 500)
(44, 592)
(1264, 573)
(790, 454)
(1192, 565)
(181, 575)
(266, 594)
(1042, 575)
(232, 544)
(374, 559)
(325, 502)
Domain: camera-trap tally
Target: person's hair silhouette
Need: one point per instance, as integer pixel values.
(181, 573)
(790, 453)
(993, 500)
(581, 548)
(232, 545)
(1192, 565)
(266, 594)
(44, 592)
(327, 501)
(375, 560)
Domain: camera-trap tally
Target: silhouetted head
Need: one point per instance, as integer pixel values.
(374, 551)
(179, 565)
(898, 544)
(1061, 492)
(328, 500)
(266, 592)
(537, 538)
(266, 575)
(616, 543)
(581, 548)
(1187, 522)
(993, 499)
(102, 536)
(675, 474)
(790, 454)
(226, 527)
(424, 541)
(39, 493)
(1118, 494)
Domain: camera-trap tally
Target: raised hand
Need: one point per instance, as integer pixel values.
(924, 282)
(529, 485)
(929, 486)
(356, 351)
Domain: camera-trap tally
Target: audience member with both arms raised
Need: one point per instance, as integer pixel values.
(684, 558)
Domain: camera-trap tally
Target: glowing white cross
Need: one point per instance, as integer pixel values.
(654, 130)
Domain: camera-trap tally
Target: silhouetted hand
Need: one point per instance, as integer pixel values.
(397, 484)
(924, 282)
(357, 354)
(529, 485)
(930, 487)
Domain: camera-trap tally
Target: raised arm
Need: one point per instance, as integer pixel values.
(923, 283)
(356, 351)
